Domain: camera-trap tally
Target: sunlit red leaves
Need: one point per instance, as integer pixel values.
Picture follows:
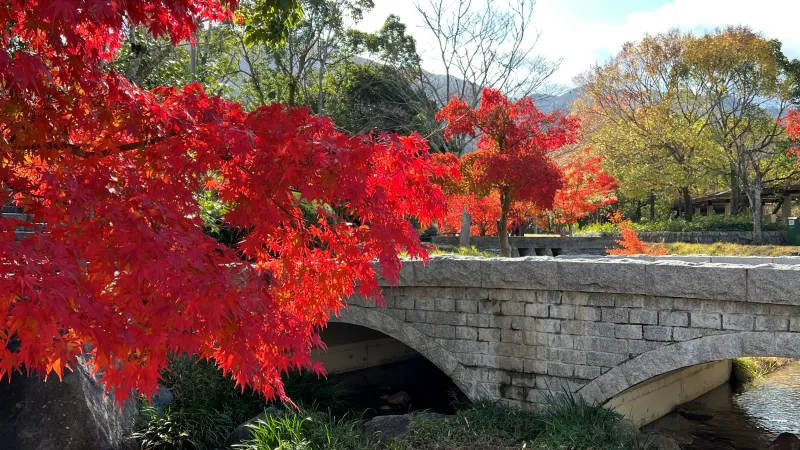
(630, 244)
(587, 188)
(514, 146)
(792, 124)
(120, 262)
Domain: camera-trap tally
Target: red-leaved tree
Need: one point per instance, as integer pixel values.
(587, 188)
(792, 123)
(514, 151)
(119, 266)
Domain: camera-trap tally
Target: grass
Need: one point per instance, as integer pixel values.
(749, 370)
(728, 249)
(461, 251)
(567, 423)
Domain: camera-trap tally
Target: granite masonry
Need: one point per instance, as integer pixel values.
(516, 328)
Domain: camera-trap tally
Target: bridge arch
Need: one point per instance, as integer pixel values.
(377, 320)
(689, 353)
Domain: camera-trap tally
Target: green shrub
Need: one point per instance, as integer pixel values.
(698, 223)
(207, 406)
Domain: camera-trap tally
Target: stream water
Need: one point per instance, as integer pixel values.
(747, 419)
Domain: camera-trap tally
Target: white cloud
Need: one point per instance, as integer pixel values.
(581, 41)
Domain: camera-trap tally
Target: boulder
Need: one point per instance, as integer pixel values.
(662, 442)
(73, 414)
(386, 429)
(243, 431)
(785, 441)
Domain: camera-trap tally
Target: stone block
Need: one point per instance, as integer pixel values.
(466, 333)
(476, 320)
(548, 325)
(705, 320)
(510, 308)
(771, 323)
(535, 366)
(489, 306)
(794, 324)
(637, 347)
(738, 322)
(643, 316)
(628, 332)
(445, 304)
(560, 369)
(622, 276)
(446, 318)
(575, 298)
(747, 260)
(449, 270)
(587, 372)
(615, 315)
(413, 315)
(537, 310)
(520, 273)
(685, 334)
(566, 355)
(608, 345)
(574, 327)
(512, 336)
(403, 302)
(601, 299)
(425, 304)
(489, 334)
(560, 341)
(589, 313)
(467, 306)
(759, 344)
(562, 311)
(673, 318)
(708, 281)
(510, 363)
(603, 359)
(777, 284)
(600, 329)
(657, 333)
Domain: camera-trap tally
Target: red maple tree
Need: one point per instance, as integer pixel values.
(118, 267)
(587, 188)
(514, 151)
(630, 243)
(792, 123)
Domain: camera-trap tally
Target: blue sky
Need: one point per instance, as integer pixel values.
(584, 32)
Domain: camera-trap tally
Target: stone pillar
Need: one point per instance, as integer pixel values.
(728, 208)
(697, 211)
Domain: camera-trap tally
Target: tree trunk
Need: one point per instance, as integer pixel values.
(735, 194)
(502, 227)
(757, 211)
(652, 207)
(687, 204)
(466, 223)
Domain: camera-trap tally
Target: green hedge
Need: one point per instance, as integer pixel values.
(699, 223)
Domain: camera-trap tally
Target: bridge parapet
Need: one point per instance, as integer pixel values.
(516, 328)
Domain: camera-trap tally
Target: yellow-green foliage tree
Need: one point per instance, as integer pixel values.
(745, 88)
(644, 116)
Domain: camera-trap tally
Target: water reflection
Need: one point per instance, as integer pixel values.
(749, 420)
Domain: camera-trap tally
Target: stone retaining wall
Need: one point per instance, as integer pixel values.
(709, 237)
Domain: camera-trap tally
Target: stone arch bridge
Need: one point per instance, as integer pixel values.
(516, 329)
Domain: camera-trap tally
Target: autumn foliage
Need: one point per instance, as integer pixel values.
(630, 244)
(792, 123)
(118, 264)
(513, 158)
(587, 188)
